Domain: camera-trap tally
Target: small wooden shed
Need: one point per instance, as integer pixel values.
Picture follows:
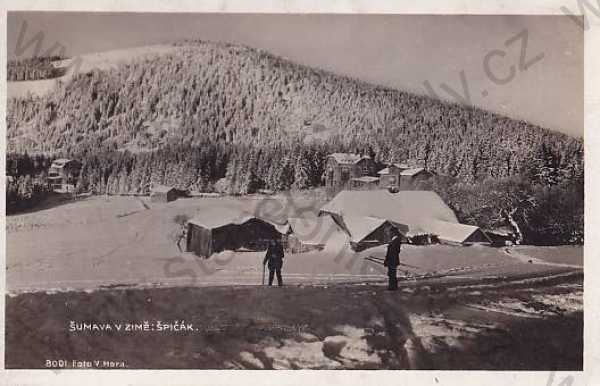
(162, 193)
(219, 229)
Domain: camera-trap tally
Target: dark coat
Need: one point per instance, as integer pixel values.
(392, 257)
(274, 257)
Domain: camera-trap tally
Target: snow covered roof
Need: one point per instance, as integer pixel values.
(313, 230)
(216, 217)
(405, 170)
(366, 179)
(405, 207)
(360, 227)
(348, 158)
(61, 162)
(501, 231)
(411, 172)
(413, 212)
(162, 189)
(449, 231)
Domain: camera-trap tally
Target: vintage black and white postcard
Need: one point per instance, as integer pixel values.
(334, 189)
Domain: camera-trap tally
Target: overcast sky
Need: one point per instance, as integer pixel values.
(400, 51)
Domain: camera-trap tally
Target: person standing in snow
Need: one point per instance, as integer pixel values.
(274, 261)
(392, 261)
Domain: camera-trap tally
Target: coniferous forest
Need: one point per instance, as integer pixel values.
(213, 116)
(36, 68)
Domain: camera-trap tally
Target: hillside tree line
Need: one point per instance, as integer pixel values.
(220, 117)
